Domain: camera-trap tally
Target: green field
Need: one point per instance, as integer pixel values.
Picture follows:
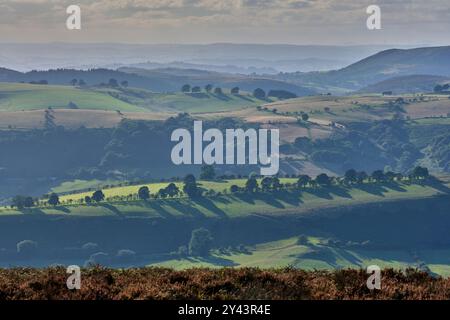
(202, 102)
(365, 107)
(234, 205)
(316, 254)
(18, 96)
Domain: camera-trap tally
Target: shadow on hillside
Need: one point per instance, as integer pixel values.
(222, 97)
(438, 185)
(375, 189)
(32, 211)
(112, 208)
(198, 95)
(186, 209)
(62, 208)
(157, 207)
(329, 255)
(222, 200)
(210, 206)
(395, 186)
(269, 199)
(240, 96)
(218, 261)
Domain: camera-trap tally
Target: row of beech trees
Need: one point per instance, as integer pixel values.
(191, 189)
(351, 177)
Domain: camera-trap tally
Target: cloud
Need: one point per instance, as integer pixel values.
(244, 19)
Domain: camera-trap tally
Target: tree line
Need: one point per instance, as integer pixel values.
(191, 189)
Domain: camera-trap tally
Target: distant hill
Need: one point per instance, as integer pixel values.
(406, 84)
(379, 67)
(7, 74)
(179, 77)
(160, 80)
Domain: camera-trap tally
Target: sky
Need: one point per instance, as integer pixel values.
(330, 22)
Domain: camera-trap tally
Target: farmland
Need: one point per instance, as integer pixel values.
(231, 205)
(19, 97)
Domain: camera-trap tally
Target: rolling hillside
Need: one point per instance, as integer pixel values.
(19, 96)
(160, 80)
(224, 80)
(407, 84)
(379, 67)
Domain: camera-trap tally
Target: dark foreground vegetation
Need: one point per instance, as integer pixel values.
(162, 284)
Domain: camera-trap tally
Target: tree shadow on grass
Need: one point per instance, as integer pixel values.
(375, 189)
(290, 197)
(329, 255)
(210, 206)
(218, 261)
(186, 209)
(62, 208)
(240, 96)
(395, 186)
(221, 97)
(157, 207)
(436, 184)
(266, 198)
(222, 200)
(32, 211)
(320, 193)
(198, 95)
(340, 192)
(112, 208)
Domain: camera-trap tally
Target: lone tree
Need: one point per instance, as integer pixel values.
(218, 91)
(186, 88)
(234, 188)
(88, 200)
(190, 186)
(323, 180)
(303, 180)
(207, 172)
(361, 176)
(305, 117)
(235, 90)
(172, 190)
(259, 94)
(98, 196)
(251, 185)
(208, 88)
(72, 105)
(144, 193)
(53, 199)
(196, 89)
(351, 176)
(113, 83)
(124, 84)
(200, 243)
(420, 173)
(266, 184)
(378, 176)
(73, 82)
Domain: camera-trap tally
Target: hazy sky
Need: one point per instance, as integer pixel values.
(239, 21)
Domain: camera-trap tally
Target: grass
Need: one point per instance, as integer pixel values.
(19, 96)
(77, 184)
(370, 107)
(202, 102)
(287, 252)
(238, 205)
(315, 255)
